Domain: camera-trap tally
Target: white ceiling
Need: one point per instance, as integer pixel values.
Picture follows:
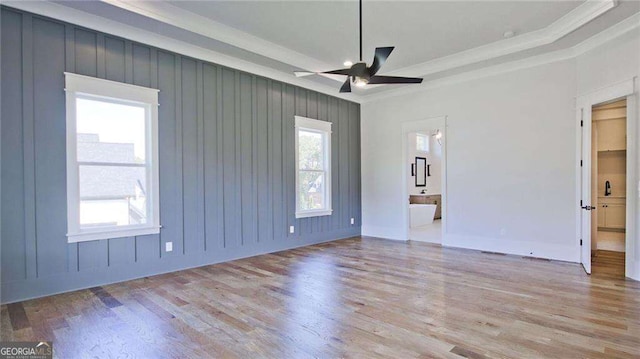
(420, 31)
(433, 39)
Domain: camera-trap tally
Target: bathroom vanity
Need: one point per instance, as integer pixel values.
(612, 213)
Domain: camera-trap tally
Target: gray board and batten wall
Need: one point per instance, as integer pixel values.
(226, 148)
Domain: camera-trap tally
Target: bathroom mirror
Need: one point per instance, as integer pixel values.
(421, 171)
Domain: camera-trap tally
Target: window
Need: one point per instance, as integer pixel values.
(112, 159)
(422, 142)
(313, 167)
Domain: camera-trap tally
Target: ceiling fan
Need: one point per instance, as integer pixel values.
(361, 74)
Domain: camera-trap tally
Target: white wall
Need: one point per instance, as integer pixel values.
(511, 147)
(434, 159)
(614, 62)
(510, 167)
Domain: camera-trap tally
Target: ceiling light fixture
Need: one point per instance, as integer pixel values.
(348, 63)
(360, 82)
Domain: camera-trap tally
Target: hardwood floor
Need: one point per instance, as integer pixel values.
(360, 297)
(608, 264)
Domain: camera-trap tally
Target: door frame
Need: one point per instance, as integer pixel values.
(584, 104)
(415, 126)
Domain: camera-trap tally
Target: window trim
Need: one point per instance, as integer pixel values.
(324, 127)
(79, 86)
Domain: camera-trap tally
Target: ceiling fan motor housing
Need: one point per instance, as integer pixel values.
(360, 70)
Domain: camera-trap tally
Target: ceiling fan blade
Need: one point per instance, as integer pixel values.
(374, 80)
(346, 87)
(303, 73)
(380, 56)
(346, 72)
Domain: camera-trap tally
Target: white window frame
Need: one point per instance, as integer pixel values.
(323, 127)
(78, 86)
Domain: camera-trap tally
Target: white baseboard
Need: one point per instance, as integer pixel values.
(383, 232)
(561, 252)
(437, 241)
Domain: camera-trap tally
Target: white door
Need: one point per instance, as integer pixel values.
(584, 115)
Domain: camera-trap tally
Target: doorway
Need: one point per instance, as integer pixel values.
(608, 187)
(607, 152)
(424, 174)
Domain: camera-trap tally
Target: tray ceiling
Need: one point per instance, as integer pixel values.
(434, 39)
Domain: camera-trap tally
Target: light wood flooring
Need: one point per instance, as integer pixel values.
(608, 264)
(356, 298)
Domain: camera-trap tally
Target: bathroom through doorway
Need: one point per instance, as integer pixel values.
(424, 179)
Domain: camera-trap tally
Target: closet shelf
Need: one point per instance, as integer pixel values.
(604, 151)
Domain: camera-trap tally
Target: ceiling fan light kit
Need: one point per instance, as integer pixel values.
(360, 82)
(362, 75)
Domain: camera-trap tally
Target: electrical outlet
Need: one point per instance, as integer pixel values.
(291, 229)
(353, 221)
(168, 247)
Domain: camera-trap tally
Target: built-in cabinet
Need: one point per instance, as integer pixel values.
(612, 135)
(611, 213)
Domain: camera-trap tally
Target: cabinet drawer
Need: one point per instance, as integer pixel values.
(611, 200)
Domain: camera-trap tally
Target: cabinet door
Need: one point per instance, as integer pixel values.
(601, 215)
(612, 135)
(615, 215)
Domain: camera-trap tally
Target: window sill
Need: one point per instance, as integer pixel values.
(109, 234)
(307, 214)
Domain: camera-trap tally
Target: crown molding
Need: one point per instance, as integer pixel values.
(484, 72)
(601, 38)
(619, 29)
(576, 18)
(570, 22)
(186, 20)
(98, 23)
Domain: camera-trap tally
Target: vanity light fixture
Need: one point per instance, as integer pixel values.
(438, 136)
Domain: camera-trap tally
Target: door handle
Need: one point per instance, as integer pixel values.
(588, 208)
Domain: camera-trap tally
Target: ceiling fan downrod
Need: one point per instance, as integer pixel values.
(360, 30)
